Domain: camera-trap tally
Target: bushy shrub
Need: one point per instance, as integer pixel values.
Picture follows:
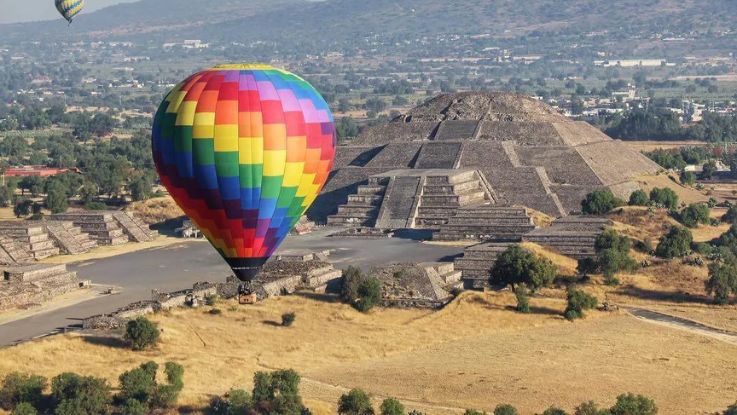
(676, 243)
(391, 406)
(688, 178)
(277, 393)
(93, 205)
(215, 311)
(355, 402)
(523, 298)
(352, 278)
(18, 387)
(369, 294)
(235, 402)
(80, 395)
(694, 214)
(722, 281)
(288, 318)
(554, 411)
(731, 215)
(134, 407)
(664, 197)
(211, 299)
(639, 198)
(505, 409)
(517, 266)
(578, 301)
(589, 408)
(141, 333)
(473, 412)
(24, 408)
(140, 384)
(630, 404)
(600, 202)
(731, 410)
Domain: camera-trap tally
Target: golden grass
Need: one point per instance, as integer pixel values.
(566, 265)
(651, 145)
(473, 353)
(685, 194)
(156, 210)
(540, 219)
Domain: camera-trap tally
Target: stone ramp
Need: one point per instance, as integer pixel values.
(457, 130)
(12, 252)
(438, 155)
(362, 208)
(136, 230)
(397, 207)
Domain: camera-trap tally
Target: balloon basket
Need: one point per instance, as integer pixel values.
(245, 294)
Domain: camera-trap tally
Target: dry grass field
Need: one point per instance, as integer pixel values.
(475, 352)
(650, 145)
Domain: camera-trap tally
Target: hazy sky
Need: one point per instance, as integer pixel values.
(12, 11)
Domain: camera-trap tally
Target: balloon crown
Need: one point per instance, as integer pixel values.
(244, 67)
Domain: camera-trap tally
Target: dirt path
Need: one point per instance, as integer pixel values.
(683, 324)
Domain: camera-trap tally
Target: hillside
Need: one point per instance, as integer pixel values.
(344, 20)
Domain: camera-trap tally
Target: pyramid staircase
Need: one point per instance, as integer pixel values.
(11, 252)
(31, 236)
(69, 238)
(443, 195)
(477, 261)
(102, 227)
(136, 230)
(363, 207)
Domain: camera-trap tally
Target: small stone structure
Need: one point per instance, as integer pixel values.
(11, 252)
(24, 285)
(31, 236)
(425, 285)
(109, 227)
(68, 237)
(573, 236)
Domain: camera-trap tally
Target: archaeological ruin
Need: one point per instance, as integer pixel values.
(432, 167)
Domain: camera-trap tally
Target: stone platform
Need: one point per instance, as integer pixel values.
(573, 236)
(486, 223)
(25, 285)
(109, 227)
(477, 261)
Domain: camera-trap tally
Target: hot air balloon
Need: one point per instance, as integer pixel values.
(244, 150)
(69, 8)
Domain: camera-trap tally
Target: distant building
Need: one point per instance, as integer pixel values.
(40, 171)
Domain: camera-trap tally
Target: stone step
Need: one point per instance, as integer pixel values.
(365, 199)
(447, 189)
(135, 231)
(456, 177)
(358, 211)
(452, 277)
(435, 211)
(370, 190)
(350, 220)
(34, 272)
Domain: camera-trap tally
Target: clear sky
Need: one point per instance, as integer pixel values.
(12, 11)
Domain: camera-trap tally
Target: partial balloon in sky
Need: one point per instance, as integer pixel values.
(244, 150)
(69, 8)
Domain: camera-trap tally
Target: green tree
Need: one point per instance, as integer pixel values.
(391, 406)
(57, 199)
(141, 333)
(235, 402)
(688, 178)
(369, 294)
(473, 412)
(355, 402)
(731, 410)
(590, 408)
(600, 202)
(134, 407)
(731, 215)
(578, 302)
(554, 411)
(676, 243)
(722, 281)
(352, 278)
(709, 169)
(139, 383)
(80, 395)
(694, 214)
(18, 387)
(24, 408)
(505, 409)
(630, 404)
(638, 198)
(277, 392)
(140, 188)
(612, 254)
(6, 196)
(517, 266)
(664, 197)
(522, 295)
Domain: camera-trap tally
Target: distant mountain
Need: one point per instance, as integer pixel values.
(343, 20)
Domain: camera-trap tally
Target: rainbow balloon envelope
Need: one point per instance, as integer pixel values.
(244, 150)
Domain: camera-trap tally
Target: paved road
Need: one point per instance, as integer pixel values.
(179, 266)
(683, 324)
